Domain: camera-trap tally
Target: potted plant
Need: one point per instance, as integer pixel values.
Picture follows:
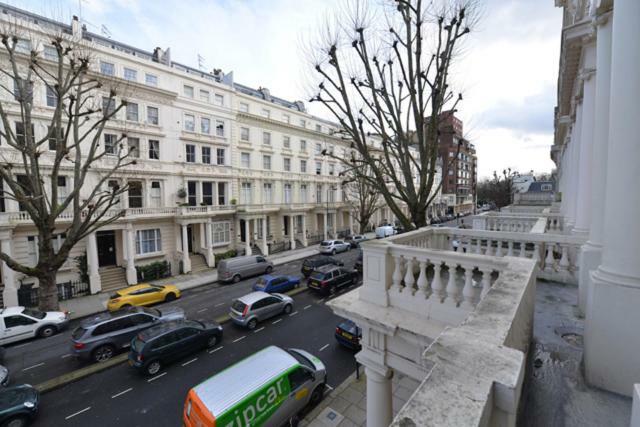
(181, 193)
(233, 201)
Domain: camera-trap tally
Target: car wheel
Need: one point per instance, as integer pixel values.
(236, 278)
(153, 367)
(287, 309)
(269, 270)
(18, 421)
(333, 252)
(170, 297)
(103, 353)
(212, 341)
(317, 394)
(47, 331)
(252, 324)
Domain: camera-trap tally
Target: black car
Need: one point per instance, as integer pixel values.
(328, 279)
(159, 345)
(348, 334)
(309, 265)
(358, 265)
(18, 405)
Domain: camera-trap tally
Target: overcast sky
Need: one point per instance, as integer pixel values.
(507, 75)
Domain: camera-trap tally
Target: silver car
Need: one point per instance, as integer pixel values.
(334, 246)
(100, 337)
(258, 306)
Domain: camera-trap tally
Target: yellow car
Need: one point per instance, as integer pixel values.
(143, 294)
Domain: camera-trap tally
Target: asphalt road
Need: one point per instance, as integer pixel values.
(38, 360)
(121, 396)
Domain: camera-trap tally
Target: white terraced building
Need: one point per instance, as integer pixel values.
(454, 309)
(220, 166)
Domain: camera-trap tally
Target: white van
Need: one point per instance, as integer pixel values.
(20, 323)
(385, 231)
(268, 388)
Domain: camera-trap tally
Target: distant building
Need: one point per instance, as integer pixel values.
(537, 193)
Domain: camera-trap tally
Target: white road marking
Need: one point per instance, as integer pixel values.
(78, 413)
(218, 305)
(64, 356)
(156, 377)
(308, 306)
(190, 361)
(121, 393)
(202, 309)
(293, 314)
(216, 349)
(240, 339)
(324, 347)
(277, 321)
(34, 366)
(258, 330)
(21, 345)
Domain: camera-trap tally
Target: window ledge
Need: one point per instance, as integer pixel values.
(149, 255)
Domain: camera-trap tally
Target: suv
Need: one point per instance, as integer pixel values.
(329, 279)
(257, 306)
(98, 338)
(309, 265)
(156, 346)
(333, 246)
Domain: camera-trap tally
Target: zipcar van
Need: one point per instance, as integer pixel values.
(268, 388)
(385, 231)
(236, 269)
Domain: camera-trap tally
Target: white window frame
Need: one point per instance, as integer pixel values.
(130, 74)
(245, 132)
(189, 122)
(218, 100)
(151, 79)
(188, 91)
(266, 162)
(148, 241)
(221, 232)
(245, 156)
(205, 125)
(243, 107)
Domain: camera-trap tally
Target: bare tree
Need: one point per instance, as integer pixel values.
(391, 83)
(498, 190)
(364, 197)
(82, 104)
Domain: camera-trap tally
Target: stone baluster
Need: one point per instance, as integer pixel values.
(423, 283)
(409, 279)
(397, 273)
(452, 242)
(486, 282)
(499, 248)
(479, 246)
(436, 284)
(536, 253)
(489, 250)
(564, 260)
(453, 293)
(510, 248)
(523, 250)
(549, 261)
(469, 245)
(468, 292)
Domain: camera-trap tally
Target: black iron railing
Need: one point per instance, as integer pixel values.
(28, 294)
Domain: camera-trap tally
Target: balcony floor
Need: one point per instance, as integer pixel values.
(556, 393)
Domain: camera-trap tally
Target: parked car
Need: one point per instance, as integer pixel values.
(155, 347)
(358, 264)
(236, 269)
(142, 295)
(348, 334)
(329, 279)
(100, 337)
(21, 323)
(385, 231)
(270, 284)
(18, 405)
(355, 241)
(333, 246)
(309, 265)
(270, 388)
(398, 229)
(257, 306)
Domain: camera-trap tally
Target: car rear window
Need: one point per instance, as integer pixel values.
(238, 305)
(317, 275)
(261, 281)
(78, 333)
(325, 243)
(348, 327)
(137, 344)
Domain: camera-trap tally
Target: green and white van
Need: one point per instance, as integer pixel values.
(268, 388)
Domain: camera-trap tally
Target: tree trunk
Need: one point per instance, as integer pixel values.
(420, 218)
(48, 292)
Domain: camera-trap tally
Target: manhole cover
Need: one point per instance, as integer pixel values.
(573, 339)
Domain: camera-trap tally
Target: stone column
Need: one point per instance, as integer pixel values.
(351, 223)
(203, 242)
(574, 166)
(379, 399)
(247, 238)
(95, 283)
(211, 259)
(265, 247)
(292, 234)
(591, 253)
(186, 259)
(304, 230)
(10, 291)
(612, 342)
(583, 206)
(325, 224)
(132, 275)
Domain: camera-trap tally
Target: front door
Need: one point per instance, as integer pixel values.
(286, 225)
(190, 238)
(243, 235)
(106, 241)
